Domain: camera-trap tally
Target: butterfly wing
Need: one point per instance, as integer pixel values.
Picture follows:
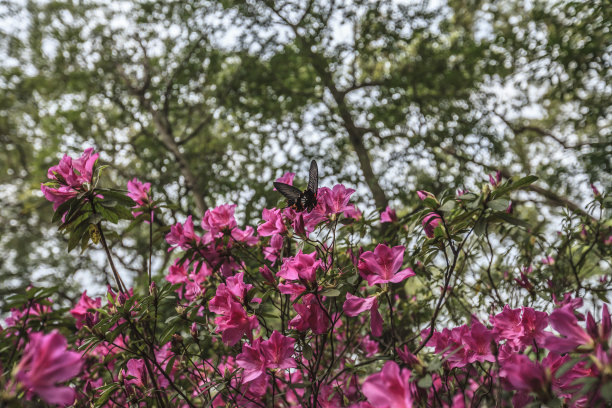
(291, 193)
(313, 177)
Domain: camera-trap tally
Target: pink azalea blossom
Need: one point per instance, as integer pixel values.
(71, 174)
(81, 308)
(47, 362)
(274, 353)
(75, 172)
(463, 345)
(495, 180)
(219, 219)
(430, 222)
(390, 388)
(310, 316)
(233, 321)
(286, 178)
(383, 265)
(524, 374)
(522, 326)
(267, 274)
(477, 344)
(425, 194)
(291, 288)
(369, 346)
(388, 215)
(278, 351)
(354, 306)
(58, 196)
(272, 252)
(245, 236)
(273, 224)
(182, 235)
(140, 193)
(337, 199)
(300, 267)
(353, 212)
(252, 361)
(549, 260)
(564, 321)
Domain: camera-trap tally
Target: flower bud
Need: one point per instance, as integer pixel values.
(194, 330)
(153, 289)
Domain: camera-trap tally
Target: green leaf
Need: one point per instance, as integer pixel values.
(500, 204)
(606, 391)
(566, 367)
(331, 293)
(425, 382)
(107, 392)
(448, 206)
(76, 235)
(431, 203)
(480, 227)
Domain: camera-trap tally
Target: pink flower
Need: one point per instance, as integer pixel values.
(272, 252)
(565, 322)
(520, 330)
(354, 306)
(234, 321)
(477, 344)
(139, 191)
(267, 274)
(286, 178)
(252, 361)
(81, 308)
(71, 174)
(524, 374)
(369, 346)
(596, 192)
(383, 265)
(300, 267)
(219, 219)
(549, 260)
(430, 222)
(337, 199)
(58, 196)
(278, 351)
(352, 212)
(390, 388)
(495, 181)
(75, 172)
(293, 289)
(182, 235)
(47, 362)
(425, 194)
(245, 236)
(388, 215)
(273, 224)
(310, 316)
(274, 353)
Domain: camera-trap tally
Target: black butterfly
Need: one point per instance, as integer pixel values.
(302, 200)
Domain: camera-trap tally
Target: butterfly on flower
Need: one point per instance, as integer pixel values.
(302, 200)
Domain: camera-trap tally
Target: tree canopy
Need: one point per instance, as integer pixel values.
(211, 101)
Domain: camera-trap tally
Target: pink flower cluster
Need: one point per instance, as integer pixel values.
(70, 175)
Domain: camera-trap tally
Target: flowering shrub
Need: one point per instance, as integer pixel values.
(326, 308)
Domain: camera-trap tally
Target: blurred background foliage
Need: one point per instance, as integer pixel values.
(210, 101)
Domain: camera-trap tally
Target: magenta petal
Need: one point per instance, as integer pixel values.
(57, 395)
(401, 275)
(355, 305)
(376, 321)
